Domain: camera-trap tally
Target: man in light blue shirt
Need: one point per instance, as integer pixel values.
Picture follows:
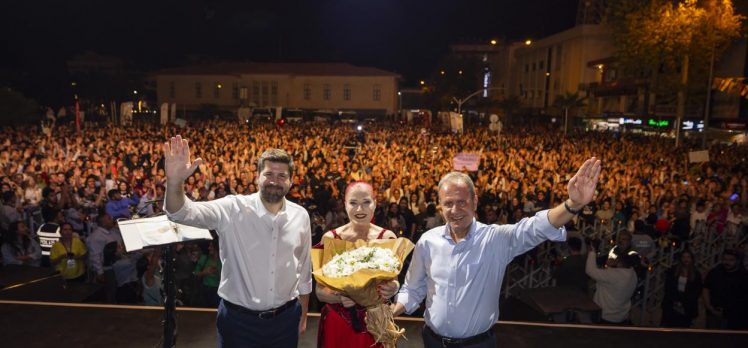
(458, 268)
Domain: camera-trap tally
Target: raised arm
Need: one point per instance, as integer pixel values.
(178, 167)
(581, 189)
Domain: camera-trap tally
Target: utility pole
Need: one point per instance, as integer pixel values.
(462, 101)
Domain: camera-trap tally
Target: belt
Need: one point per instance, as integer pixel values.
(459, 342)
(267, 315)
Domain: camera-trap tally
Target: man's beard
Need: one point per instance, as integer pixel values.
(272, 194)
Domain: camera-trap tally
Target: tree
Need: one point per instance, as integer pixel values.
(509, 105)
(456, 77)
(15, 108)
(567, 102)
(669, 43)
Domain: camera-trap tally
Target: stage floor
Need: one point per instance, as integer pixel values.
(31, 325)
(57, 317)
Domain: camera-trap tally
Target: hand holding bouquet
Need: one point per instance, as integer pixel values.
(355, 269)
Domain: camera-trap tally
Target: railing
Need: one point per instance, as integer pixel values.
(534, 269)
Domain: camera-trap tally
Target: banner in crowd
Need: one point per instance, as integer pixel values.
(698, 156)
(466, 160)
(126, 113)
(164, 113)
(455, 122)
(735, 85)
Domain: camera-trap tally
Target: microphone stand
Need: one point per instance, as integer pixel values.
(169, 337)
(170, 307)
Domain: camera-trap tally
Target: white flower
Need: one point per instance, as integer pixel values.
(349, 262)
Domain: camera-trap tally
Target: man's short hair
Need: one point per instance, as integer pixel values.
(100, 218)
(275, 155)
(732, 252)
(457, 178)
(111, 193)
(624, 234)
(574, 243)
(627, 261)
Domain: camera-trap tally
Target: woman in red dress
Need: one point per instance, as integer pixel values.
(342, 322)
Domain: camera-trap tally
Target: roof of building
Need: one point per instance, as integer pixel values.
(304, 69)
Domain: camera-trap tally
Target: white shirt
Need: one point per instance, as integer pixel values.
(698, 216)
(96, 242)
(461, 280)
(266, 259)
(615, 286)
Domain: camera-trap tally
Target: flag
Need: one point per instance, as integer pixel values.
(77, 115)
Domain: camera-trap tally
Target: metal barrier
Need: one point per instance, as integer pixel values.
(534, 269)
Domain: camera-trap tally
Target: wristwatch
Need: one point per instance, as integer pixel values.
(570, 210)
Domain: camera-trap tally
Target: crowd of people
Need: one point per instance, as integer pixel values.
(84, 182)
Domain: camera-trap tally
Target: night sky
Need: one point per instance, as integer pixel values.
(405, 36)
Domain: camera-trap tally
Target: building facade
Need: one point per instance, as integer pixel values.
(334, 87)
(544, 69)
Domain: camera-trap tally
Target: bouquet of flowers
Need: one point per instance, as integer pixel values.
(355, 269)
(347, 263)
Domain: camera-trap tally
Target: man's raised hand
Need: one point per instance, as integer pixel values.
(582, 185)
(177, 163)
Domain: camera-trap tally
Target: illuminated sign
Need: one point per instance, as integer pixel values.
(622, 120)
(689, 125)
(658, 123)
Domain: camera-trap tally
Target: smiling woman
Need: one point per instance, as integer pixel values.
(342, 322)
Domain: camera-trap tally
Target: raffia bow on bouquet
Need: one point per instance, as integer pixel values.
(361, 286)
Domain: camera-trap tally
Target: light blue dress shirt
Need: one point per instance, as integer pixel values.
(461, 281)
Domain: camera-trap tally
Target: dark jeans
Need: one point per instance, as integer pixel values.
(238, 329)
(210, 296)
(429, 341)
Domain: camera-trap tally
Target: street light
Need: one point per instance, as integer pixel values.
(464, 100)
(528, 42)
(493, 42)
(400, 102)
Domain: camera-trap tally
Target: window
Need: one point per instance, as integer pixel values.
(217, 90)
(533, 66)
(346, 92)
(198, 89)
(172, 90)
(377, 95)
(256, 92)
(326, 92)
(274, 92)
(527, 67)
(235, 90)
(540, 65)
(307, 91)
(265, 92)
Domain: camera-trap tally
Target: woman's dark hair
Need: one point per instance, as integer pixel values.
(431, 210)
(691, 268)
